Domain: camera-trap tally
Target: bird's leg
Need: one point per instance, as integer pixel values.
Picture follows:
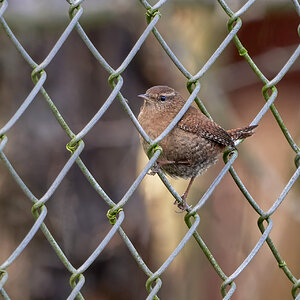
(183, 205)
(184, 196)
(161, 163)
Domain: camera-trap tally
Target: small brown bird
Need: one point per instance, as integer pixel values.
(193, 145)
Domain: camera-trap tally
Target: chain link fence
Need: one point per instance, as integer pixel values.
(116, 211)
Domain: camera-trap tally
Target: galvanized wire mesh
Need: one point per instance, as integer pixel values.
(116, 213)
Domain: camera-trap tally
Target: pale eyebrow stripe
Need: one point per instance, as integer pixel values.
(168, 94)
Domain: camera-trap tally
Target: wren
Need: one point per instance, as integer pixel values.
(193, 145)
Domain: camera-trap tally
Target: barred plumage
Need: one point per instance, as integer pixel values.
(194, 144)
(241, 133)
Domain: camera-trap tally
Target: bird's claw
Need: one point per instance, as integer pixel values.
(153, 171)
(183, 206)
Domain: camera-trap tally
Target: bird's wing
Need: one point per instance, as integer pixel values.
(195, 122)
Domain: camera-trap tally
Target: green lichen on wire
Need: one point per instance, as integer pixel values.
(115, 213)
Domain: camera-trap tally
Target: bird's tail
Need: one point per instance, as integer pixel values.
(241, 133)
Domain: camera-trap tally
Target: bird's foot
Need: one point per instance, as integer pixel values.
(182, 205)
(154, 170)
(159, 164)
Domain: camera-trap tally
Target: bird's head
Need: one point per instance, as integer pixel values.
(162, 98)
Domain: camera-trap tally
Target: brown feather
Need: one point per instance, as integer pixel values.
(196, 122)
(241, 133)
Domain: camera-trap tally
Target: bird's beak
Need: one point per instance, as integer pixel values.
(144, 96)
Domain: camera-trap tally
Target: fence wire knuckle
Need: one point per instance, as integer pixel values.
(116, 207)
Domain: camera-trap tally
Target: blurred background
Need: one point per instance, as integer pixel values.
(78, 86)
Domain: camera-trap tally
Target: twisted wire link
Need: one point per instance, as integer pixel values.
(116, 214)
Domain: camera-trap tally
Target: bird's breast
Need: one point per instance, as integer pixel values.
(153, 122)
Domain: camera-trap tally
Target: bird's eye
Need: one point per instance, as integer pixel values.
(162, 98)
